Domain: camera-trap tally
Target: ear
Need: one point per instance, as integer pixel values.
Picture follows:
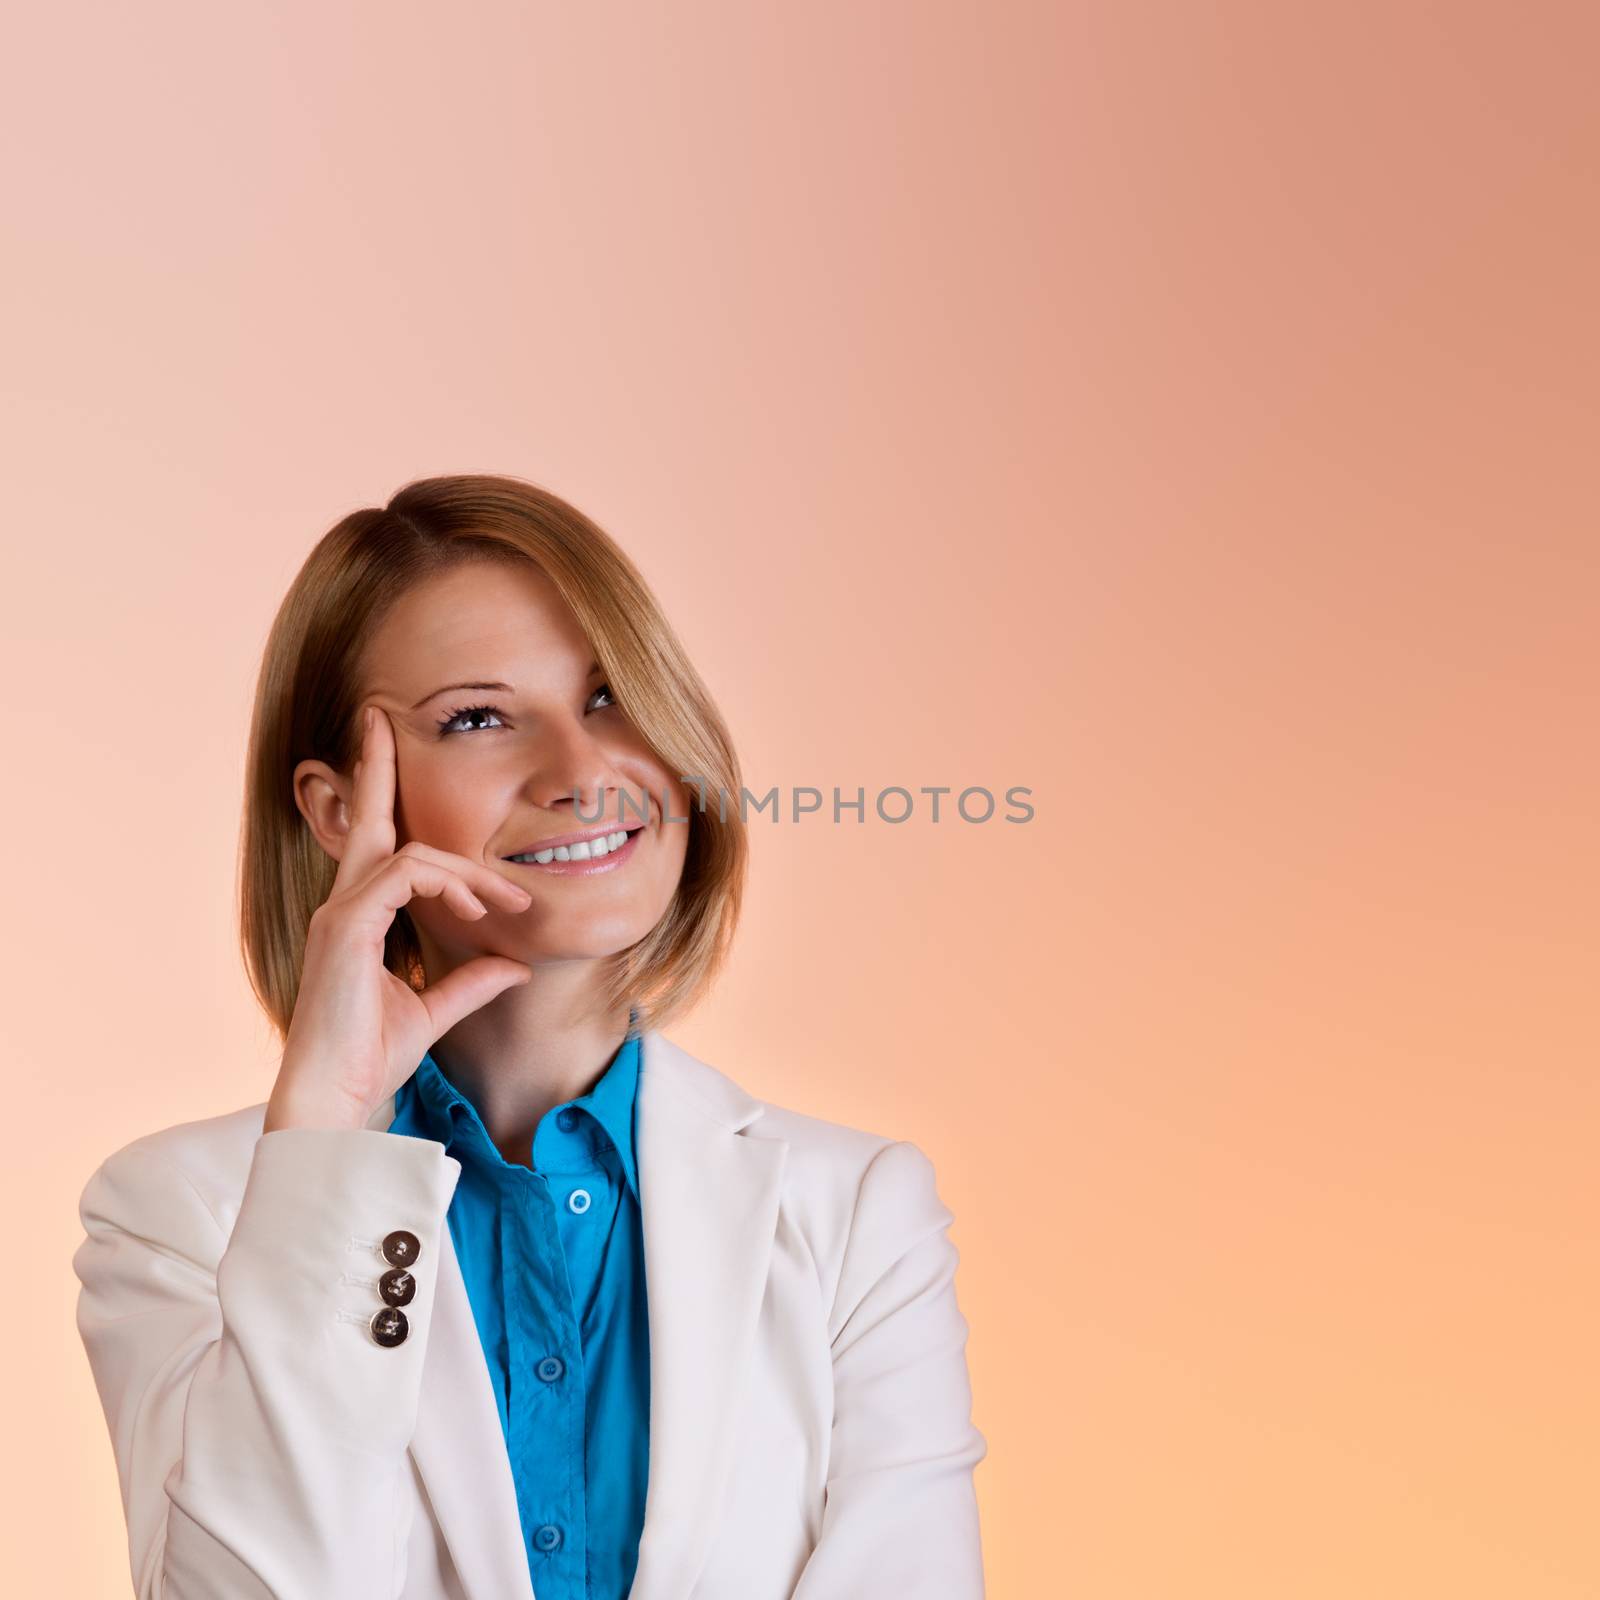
(323, 795)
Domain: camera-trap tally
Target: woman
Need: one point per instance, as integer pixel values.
(501, 1292)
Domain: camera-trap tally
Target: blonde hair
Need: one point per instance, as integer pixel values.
(307, 696)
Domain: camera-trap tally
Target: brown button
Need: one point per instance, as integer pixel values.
(389, 1327)
(397, 1287)
(401, 1249)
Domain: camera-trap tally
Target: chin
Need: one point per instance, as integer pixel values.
(594, 941)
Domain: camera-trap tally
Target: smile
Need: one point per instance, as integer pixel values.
(604, 853)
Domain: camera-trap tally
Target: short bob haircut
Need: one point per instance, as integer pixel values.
(309, 691)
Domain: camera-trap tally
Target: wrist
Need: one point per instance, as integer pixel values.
(301, 1106)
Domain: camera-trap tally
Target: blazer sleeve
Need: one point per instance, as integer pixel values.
(259, 1428)
(900, 1515)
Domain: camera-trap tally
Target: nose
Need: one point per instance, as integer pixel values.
(575, 770)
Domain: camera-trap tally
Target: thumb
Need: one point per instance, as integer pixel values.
(471, 985)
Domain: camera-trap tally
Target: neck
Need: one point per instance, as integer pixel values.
(532, 1047)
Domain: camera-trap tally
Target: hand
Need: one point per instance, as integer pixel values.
(358, 1031)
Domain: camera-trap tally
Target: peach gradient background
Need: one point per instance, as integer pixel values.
(1186, 411)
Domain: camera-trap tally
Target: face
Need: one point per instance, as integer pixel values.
(528, 753)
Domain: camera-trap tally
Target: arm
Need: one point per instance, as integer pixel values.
(901, 1515)
(260, 1430)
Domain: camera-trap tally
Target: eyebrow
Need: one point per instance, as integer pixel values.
(498, 688)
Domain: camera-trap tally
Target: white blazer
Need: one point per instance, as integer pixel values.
(811, 1433)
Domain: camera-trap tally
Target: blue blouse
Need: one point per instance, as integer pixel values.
(553, 1258)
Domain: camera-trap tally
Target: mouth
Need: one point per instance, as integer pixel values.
(602, 851)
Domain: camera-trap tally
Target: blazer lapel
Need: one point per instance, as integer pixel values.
(709, 1201)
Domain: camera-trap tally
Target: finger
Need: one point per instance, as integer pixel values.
(484, 880)
(471, 985)
(371, 836)
(463, 901)
(400, 879)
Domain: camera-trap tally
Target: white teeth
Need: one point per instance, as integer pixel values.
(584, 850)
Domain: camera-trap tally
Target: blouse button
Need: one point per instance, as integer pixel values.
(578, 1201)
(551, 1368)
(547, 1537)
(566, 1119)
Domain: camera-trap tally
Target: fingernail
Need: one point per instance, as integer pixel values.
(366, 719)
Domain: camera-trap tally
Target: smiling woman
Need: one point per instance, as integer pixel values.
(501, 1290)
(459, 590)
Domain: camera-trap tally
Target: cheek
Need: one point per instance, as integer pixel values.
(677, 800)
(674, 849)
(676, 803)
(433, 806)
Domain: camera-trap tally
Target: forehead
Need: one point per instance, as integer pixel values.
(486, 619)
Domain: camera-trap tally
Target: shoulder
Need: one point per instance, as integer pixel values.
(813, 1141)
(836, 1176)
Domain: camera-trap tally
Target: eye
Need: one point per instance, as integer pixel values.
(446, 727)
(464, 711)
